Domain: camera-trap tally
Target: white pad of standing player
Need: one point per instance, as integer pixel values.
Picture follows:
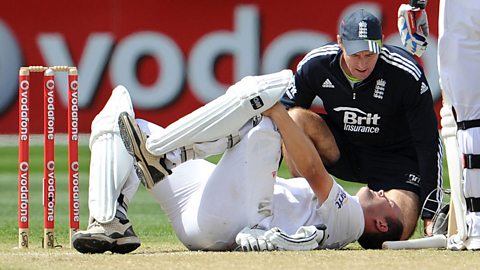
(454, 163)
(225, 115)
(110, 163)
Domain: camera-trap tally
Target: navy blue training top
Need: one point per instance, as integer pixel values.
(390, 111)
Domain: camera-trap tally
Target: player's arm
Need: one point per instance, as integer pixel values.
(424, 129)
(301, 152)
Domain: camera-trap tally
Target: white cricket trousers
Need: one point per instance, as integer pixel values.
(209, 204)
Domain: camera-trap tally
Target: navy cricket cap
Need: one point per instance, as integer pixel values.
(361, 31)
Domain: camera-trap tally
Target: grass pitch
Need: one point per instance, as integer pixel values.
(160, 247)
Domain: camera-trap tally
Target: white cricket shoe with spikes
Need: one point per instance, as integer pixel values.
(116, 236)
(150, 169)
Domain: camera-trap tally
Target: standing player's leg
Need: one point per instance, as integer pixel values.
(459, 38)
(457, 225)
(112, 184)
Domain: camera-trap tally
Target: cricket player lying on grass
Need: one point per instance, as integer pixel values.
(238, 204)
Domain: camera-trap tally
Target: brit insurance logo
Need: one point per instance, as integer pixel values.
(356, 120)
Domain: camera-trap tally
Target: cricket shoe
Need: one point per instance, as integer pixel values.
(455, 243)
(473, 231)
(473, 243)
(116, 236)
(150, 169)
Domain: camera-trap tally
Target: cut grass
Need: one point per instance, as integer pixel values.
(160, 248)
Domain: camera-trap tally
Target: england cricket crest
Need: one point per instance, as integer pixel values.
(379, 89)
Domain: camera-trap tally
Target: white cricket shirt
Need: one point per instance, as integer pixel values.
(295, 205)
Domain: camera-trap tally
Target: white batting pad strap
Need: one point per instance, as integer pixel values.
(107, 120)
(110, 167)
(469, 142)
(201, 150)
(225, 115)
(471, 187)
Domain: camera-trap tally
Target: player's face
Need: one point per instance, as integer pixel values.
(377, 202)
(359, 65)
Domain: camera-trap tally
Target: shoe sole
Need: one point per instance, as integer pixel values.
(127, 127)
(92, 243)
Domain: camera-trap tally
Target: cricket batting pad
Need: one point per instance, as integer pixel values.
(224, 115)
(110, 163)
(106, 121)
(449, 134)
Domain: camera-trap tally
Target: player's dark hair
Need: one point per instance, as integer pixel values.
(374, 240)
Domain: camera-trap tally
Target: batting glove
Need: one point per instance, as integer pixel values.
(413, 27)
(306, 238)
(253, 239)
